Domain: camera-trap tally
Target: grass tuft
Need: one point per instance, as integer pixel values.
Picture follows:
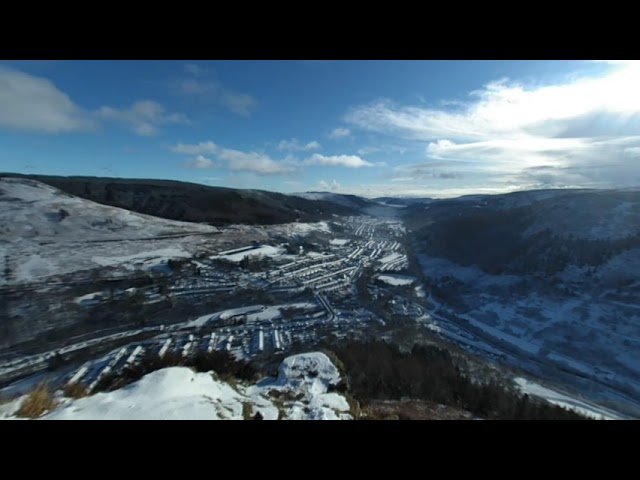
(39, 401)
(75, 390)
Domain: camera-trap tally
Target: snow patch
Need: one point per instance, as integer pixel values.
(565, 401)
(148, 259)
(180, 393)
(266, 250)
(339, 241)
(397, 280)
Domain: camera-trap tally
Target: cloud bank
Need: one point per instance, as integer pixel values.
(262, 163)
(579, 132)
(31, 103)
(35, 104)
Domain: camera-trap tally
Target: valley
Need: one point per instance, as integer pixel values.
(89, 289)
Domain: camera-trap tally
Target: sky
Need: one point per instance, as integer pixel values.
(372, 128)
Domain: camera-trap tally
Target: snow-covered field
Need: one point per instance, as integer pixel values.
(565, 401)
(179, 393)
(265, 250)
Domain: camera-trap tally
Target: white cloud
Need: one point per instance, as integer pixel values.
(202, 147)
(351, 161)
(333, 186)
(632, 151)
(295, 145)
(33, 103)
(261, 163)
(201, 84)
(240, 104)
(238, 160)
(339, 132)
(143, 117)
(200, 162)
(589, 126)
(193, 69)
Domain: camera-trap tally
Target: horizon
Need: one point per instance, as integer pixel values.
(399, 196)
(437, 129)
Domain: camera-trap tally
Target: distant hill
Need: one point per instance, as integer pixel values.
(549, 274)
(349, 201)
(192, 202)
(536, 231)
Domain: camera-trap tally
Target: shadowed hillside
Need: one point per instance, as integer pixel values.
(192, 202)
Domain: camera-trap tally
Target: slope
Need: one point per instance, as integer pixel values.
(193, 202)
(548, 278)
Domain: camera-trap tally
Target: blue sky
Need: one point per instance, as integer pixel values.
(373, 128)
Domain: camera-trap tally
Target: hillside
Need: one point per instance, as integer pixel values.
(36, 211)
(301, 391)
(192, 202)
(530, 232)
(45, 232)
(58, 250)
(545, 277)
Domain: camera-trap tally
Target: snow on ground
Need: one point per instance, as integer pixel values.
(148, 259)
(167, 394)
(89, 299)
(254, 313)
(395, 279)
(34, 267)
(33, 210)
(301, 228)
(266, 250)
(315, 254)
(179, 393)
(563, 400)
(309, 375)
(620, 267)
(593, 217)
(51, 233)
(339, 241)
(329, 197)
(391, 257)
(436, 267)
(269, 313)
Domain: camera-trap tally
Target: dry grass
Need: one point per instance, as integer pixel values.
(247, 411)
(38, 401)
(75, 390)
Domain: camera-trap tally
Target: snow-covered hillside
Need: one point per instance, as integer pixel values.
(33, 210)
(592, 216)
(45, 232)
(300, 392)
